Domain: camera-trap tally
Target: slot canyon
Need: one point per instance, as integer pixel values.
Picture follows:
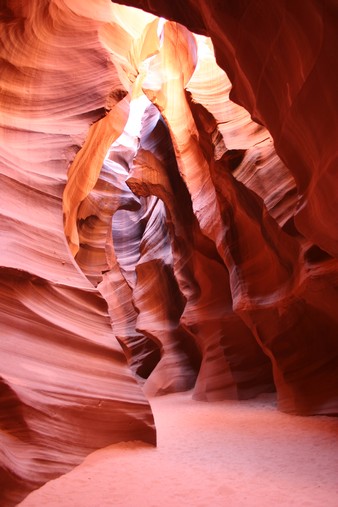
(169, 229)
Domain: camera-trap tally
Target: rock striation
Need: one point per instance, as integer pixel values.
(66, 388)
(157, 236)
(279, 247)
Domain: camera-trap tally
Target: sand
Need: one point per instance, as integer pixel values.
(224, 454)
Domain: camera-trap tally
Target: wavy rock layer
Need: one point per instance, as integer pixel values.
(153, 240)
(66, 389)
(274, 230)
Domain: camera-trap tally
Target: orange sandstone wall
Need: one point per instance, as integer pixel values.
(192, 248)
(65, 386)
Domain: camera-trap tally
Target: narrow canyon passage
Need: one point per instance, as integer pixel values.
(219, 454)
(168, 224)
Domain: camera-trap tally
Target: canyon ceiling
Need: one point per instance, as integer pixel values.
(167, 222)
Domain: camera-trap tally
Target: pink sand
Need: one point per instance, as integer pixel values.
(209, 454)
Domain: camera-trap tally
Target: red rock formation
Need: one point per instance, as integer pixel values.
(185, 248)
(278, 59)
(272, 61)
(226, 345)
(65, 385)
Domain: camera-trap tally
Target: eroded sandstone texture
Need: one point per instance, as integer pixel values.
(154, 237)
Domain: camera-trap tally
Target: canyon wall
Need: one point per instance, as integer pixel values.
(156, 235)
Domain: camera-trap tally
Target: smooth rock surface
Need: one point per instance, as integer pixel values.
(156, 236)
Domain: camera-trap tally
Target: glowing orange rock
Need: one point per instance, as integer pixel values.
(199, 253)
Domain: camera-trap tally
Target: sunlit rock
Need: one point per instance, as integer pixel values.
(168, 222)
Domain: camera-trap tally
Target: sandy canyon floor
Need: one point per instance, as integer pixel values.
(224, 454)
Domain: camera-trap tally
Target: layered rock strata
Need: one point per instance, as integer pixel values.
(153, 239)
(66, 389)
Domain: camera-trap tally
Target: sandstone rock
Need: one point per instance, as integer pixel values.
(157, 236)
